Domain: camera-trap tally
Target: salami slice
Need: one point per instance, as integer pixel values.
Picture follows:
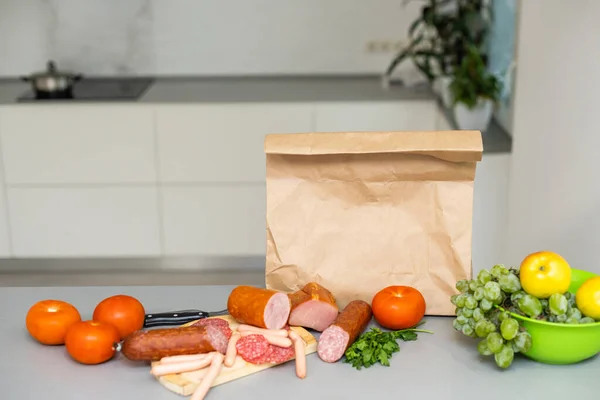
(253, 349)
(216, 322)
(276, 354)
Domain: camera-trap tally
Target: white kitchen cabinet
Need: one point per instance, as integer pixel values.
(78, 143)
(222, 143)
(490, 211)
(101, 221)
(214, 219)
(376, 116)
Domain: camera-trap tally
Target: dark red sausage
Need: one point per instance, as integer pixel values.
(313, 307)
(344, 331)
(152, 345)
(264, 308)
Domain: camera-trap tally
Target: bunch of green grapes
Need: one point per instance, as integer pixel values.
(477, 317)
(558, 308)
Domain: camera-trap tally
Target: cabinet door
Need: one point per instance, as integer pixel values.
(212, 220)
(222, 143)
(376, 116)
(101, 221)
(54, 144)
(490, 211)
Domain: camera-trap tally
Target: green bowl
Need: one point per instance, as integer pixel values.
(556, 343)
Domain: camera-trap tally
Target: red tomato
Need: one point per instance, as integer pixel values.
(398, 307)
(47, 321)
(124, 312)
(91, 342)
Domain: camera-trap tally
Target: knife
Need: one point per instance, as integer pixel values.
(180, 317)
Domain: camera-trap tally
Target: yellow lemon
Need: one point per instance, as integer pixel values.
(587, 298)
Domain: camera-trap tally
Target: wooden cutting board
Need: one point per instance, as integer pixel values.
(185, 383)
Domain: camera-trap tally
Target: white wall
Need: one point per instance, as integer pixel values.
(193, 37)
(555, 195)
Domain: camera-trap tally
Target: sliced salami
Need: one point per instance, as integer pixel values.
(278, 354)
(253, 349)
(216, 322)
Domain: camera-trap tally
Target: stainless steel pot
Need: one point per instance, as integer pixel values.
(52, 81)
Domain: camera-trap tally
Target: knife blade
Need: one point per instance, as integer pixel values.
(179, 317)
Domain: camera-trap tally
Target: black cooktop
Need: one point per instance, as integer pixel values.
(98, 89)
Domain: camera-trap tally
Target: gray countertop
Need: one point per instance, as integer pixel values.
(444, 365)
(279, 89)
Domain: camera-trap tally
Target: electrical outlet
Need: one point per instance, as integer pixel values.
(384, 46)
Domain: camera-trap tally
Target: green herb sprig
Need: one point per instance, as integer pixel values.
(377, 346)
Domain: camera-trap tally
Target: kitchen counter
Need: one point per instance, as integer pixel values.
(444, 365)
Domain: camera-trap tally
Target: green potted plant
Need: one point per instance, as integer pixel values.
(439, 37)
(474, 91)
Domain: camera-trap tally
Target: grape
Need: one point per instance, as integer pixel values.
(551, 318)
(467, 330)
(460, 300)
(545, 304)
(498, 271)
(462, 285)
(482, 348)
(494, 342)
(462, 319)
(572, 320)
(485, 304)
(471, 303)
(522, 341)
(491, 327)
(514, 298)
(569, 296)
(479, 294)
(457, 325)
(492, 292)
(453, 299)
(478, 314)
(561, 318)
(484, 276)
(473, 285)
(509, 328)
(504, 357)
(509, 283)
(558, 304)
(503, 315)
(530, 305)
(467, 312)
(574, 313)
(586, 320)
(481, 328)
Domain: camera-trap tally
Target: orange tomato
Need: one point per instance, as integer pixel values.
(91, 342)
(398, 307)
(124, 312)
(47, 321)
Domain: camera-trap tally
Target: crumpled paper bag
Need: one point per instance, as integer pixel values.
(360, 211)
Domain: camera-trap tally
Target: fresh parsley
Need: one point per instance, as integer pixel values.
(376, 346)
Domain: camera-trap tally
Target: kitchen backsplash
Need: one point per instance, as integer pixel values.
(201, 37)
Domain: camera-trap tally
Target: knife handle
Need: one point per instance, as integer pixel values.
(173, 318)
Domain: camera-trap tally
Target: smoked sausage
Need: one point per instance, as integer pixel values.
(350, 323)
(313, 307)
(152, 345)
(263, 308)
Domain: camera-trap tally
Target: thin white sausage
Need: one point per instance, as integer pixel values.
(186, 357)
(179, 367)
(213, 371)
(300, 355)
(231, 350)
(273, 339)
(255, 329)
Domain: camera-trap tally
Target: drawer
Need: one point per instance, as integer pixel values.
(78, 144)
(222, 143)
(215, 220)
(106, 221)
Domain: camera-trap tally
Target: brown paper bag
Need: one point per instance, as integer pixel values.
(360, 211)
